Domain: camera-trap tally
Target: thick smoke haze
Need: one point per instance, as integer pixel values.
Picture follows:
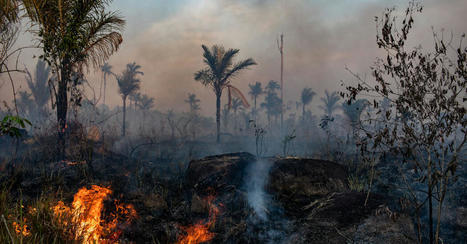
(321, 39)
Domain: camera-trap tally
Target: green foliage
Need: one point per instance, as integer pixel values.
(11, 125)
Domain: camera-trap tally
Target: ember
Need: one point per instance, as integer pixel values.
(199, 232)
(86, 211)
(21, 229)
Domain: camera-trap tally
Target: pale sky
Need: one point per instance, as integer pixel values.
(322, 37)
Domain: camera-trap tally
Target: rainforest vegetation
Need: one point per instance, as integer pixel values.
(381, 158)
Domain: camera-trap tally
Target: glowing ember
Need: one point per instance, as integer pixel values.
(85, 215)
(199, 232)
(21, 229)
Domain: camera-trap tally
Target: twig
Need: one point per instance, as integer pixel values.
(8, 231)
(347, 238)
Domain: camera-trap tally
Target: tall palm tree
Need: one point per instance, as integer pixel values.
(39, 85)
(255, 91)
(330, 103)
(306, 98)
(128, 83)
(106, 70)
(74, 34)
(219, 72)
(193, 102)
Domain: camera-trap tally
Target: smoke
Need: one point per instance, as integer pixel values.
(267, 222)
(256, 180)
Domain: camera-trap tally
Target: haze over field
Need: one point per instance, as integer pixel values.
(321, 38)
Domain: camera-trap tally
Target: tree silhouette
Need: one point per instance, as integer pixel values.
(128, 83)
(306, 98)
(272, 102)
(236, 105)
(106, 70)
(26, 104)
(219, 72)
(255, 91)
(145, 102)
(272, 86)
(39, 85)
(193, 102)
(134, 97)
(330, 103)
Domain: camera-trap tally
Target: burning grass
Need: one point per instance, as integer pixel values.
(85, 220)
(199, 232)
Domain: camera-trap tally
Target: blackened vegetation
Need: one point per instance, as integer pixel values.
(424, 121)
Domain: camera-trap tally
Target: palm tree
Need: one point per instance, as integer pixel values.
(307, 97)
(255, 91)
(106, 70)
(73, 35)
(219, 72)
(236, 105)
(272, 103)
(134, 97)
(39, 85)
(330, 103)
(128, 83)
(25, 104)
(193, 102)
(145, 103)
(272, 86)
(353, 111)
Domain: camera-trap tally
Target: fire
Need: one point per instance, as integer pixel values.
(21, 229)
(85, 215)
(199, 232)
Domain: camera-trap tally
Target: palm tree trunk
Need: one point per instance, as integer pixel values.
(218, 116)
(303, 112)
(105, 85)
(255, 111)
(124, 116)
(62, 108)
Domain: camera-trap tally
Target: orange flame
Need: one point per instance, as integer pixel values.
(199, 232)
(86, 212)
(21, 229)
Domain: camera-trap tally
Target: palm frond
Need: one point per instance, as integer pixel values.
(204, 76)
(210, 59)
(226, 60)
(244, 64)
(101, 49)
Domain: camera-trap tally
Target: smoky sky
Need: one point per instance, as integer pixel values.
(321, 38)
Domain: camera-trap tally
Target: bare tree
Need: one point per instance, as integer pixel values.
(425, 119)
